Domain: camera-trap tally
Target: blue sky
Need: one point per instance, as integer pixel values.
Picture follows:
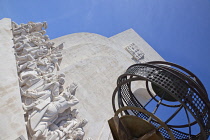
(179, 30)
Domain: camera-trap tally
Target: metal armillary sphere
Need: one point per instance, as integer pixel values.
(174, 87)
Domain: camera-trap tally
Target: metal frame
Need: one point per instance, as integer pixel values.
(179, 82)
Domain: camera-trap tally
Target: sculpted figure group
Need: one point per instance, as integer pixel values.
(46, 103)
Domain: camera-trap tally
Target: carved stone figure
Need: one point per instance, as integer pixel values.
(48, 64)
(47, 108)
(51, 113)
(20, 32)
(34, 94)
(28, 66)
(77, 134)
(20, 46)
(37, 26)
(14, 25)
(56, 87)
(29, 78)
(22, 29)
(38, 34)
(20, 38)
(49, 44)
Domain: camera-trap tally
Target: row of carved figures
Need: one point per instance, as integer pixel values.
(46, 103)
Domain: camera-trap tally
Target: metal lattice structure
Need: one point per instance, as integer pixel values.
(173, 83)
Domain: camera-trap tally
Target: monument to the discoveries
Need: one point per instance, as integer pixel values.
(51, 88)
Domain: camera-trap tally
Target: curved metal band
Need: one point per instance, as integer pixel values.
(178, 133)
(193, 99)
(149, 114)
(196, 83)
(148, 90)
(181, 68)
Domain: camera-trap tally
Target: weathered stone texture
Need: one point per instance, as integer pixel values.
(12, 124)
(92, 61)
(95, 62)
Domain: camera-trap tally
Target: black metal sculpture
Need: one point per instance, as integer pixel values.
(171, 83)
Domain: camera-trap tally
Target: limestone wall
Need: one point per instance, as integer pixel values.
(92, 61)
(12, 124)
(95, 62)
(130, 36)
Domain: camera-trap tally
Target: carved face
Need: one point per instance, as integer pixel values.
(45, 25)
(61, 80)
(50, 44)
(84, 122)
(78, 134)
(61, 75)
(43, 32)
(46, 37)
(44, 60)
(42, 51)
(74, 113)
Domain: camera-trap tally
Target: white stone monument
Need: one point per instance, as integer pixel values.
(95, 62)
(88, 62)
(12, 124)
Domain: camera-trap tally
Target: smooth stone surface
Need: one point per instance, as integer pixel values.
(94, 62)
(11, 113)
